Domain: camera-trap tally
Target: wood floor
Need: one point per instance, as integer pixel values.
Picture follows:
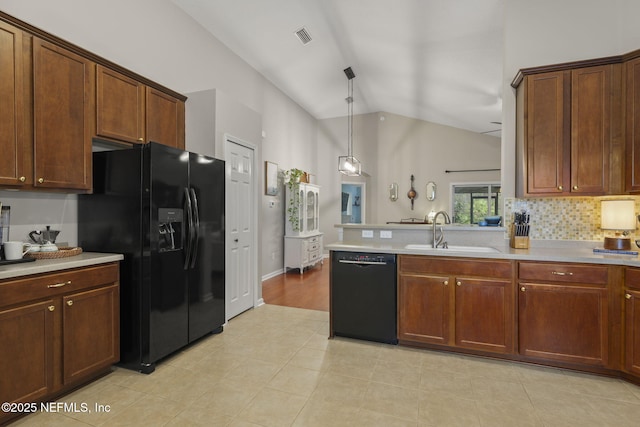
(311, 290)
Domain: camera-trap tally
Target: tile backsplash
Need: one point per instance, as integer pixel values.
(564, 218)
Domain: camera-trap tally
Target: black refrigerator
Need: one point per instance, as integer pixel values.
(163, 209)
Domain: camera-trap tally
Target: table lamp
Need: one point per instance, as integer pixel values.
(618, 215)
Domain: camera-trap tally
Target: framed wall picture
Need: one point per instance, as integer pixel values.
(271, 178)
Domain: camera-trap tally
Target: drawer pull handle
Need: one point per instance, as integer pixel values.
(523, 289)
(51, 307)
(562, 273)
(458, 283)
(446, 282)
(627, 296)
(560, 187)
(70, 302)
(59, 285)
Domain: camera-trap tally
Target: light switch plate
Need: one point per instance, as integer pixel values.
(386, 234)
(367, 234)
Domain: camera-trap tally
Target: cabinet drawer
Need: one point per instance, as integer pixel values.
(13, 291)
(313, 246)
(314, 256)
(470, 267)
(313, 239)
(566, 273)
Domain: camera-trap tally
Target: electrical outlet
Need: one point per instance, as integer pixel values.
(386, 234)
(367, 234)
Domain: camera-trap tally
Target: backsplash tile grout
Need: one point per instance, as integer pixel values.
(564, 218)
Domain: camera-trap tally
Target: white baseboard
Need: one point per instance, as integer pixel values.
(273, 274)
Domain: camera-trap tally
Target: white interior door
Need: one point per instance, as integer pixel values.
(241, 235)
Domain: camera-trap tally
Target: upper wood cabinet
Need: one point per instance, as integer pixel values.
(62, 115)
(632, 178)
(129, 111)
(55, 97)
(566, 133)
(12, 104)
(119, 106)
(165, 119)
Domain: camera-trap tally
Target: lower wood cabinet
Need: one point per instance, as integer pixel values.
(57, 331)
(466, 303)
(632, 321)
(563, 312)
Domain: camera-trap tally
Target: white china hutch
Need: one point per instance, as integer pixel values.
(303, 240)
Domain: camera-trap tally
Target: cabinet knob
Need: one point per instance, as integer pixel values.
(40, 180)
(446, 282)
(70, 302)
(627, 296)
(141, 139)
(523, 289)
(458, 283)
(51, 307)
(560, 187)
(575, 187)
(23, 178)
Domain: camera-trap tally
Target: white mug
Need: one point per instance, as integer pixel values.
(14, 250)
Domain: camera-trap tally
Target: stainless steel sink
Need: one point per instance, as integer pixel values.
(452, 248)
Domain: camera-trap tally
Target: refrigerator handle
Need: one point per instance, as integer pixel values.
(189, 234)
(196, 226)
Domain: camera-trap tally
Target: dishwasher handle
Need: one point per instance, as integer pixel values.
(346, 261)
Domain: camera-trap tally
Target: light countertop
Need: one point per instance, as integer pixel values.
(582, 254)
(39, 266)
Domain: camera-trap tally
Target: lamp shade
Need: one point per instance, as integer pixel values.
(618, 215)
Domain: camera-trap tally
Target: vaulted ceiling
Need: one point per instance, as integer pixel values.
(434, 60)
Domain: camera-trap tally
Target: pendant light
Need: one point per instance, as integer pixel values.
(348, 164)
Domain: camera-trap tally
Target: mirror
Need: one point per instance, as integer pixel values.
(393, 192)
(431, 191)
(352, 206)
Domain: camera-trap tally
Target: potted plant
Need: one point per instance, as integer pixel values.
(292, 179)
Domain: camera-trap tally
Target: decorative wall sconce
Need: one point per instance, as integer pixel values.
(431, 191)
(393, 191)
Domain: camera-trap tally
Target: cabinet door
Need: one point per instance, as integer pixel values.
(424, 302)
(484, 314)
(90, 331)
(165, 119)
(63, 88)
(12, 104)
(590, 129)
(119, 106)
(547, 129)
(564, 323)
(26, 358)
(632, 329)
(633, 126)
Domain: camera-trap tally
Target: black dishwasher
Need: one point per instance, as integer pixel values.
(363, 296)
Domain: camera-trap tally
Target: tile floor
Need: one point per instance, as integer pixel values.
(274, 366)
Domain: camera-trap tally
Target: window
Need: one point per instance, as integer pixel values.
(472, 202)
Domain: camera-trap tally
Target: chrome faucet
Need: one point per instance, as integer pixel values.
(439, 240)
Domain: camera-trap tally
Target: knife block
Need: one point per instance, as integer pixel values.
(518, 242)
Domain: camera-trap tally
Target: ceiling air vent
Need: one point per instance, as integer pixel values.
(303, 35)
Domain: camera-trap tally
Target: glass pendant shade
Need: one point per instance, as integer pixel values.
(349, 165)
